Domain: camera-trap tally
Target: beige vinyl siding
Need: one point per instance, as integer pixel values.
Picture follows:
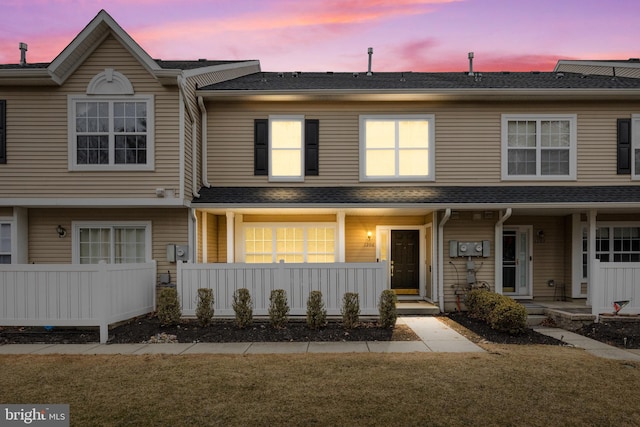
(466, 229)
(212, 237)
(37, 137)
(467, 139)
(45, 247)
(356, 228)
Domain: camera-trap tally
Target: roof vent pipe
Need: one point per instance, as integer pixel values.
(23, 54)
(471, 63)
(370, 52)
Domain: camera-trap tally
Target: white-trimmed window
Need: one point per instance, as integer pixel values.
(111, 133)
(120, 243)
(614, 243)
(286, 146)
(5, 243)
(538, 147)
(397, 148)
(267, 243)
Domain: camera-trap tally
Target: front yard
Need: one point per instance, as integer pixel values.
(509, 385)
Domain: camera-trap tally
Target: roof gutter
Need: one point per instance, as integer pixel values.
(417, 94)
(498, 249)
(447, 215)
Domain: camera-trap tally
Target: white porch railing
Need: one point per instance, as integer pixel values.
(333, 280)
(615, 281)
(75, 295)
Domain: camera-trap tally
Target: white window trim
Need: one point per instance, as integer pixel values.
(431, 148)
(77, 225)
(610, 225)
(71, 119)
(279, 178)
(12, 252)
(303, 225)
(572, 118)
(635, 145)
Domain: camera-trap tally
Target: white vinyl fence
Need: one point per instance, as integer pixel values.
(75, 295)
(615, 281)
(298, 280)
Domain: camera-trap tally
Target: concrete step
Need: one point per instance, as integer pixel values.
(533, 308)
(416, 308)
(535, 319)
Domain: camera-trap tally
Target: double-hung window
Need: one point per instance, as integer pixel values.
(286, 144)
(397, 148)
(111, 133)
(538, 147)
(123, 243)
(5, 243)
(267, 243)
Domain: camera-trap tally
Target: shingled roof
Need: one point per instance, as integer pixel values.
(166, 65)
(438, 196)
(292, 81)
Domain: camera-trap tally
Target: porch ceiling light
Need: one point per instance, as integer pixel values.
(62, 232)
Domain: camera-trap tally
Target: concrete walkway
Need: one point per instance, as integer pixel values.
(594, 347)
(435, 337)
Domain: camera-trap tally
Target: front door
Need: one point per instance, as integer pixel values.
(516, 261)
(405, 253)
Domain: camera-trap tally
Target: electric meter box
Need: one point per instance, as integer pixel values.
(177, 253)
(467, 249)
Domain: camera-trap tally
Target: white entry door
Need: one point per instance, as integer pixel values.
(516, 261)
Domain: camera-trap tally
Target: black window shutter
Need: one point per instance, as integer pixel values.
(624, 146)
(261, 147)
(311, 147)
(3, 131)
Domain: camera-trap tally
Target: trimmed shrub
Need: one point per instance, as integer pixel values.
(508, 316)
(204, 309)
(316, 311)
(350, 310)
(387, 309)
(169, 311)
(243, 307)
(499, 311)
(480, 303)
(278, 308)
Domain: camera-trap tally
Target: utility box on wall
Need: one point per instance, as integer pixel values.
(177, 253)
(466, 249)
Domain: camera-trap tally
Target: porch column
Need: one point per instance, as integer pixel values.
(231, 238)
(591, 237)
(341, 237)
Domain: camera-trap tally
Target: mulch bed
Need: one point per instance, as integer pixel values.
(141, 329)
(482, 332)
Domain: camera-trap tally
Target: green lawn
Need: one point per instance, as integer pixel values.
(508, 385)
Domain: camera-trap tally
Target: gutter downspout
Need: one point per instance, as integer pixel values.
(203, 136)
(447, 215)
(498, 250)
(194, 134)
(193, 235)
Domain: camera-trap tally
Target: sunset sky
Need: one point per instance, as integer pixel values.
(333, 35)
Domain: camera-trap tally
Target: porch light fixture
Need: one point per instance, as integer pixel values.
(62, 232)
(540, 235)
(369, 235)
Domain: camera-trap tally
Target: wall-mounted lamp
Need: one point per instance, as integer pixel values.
(369, 242)
(62, 232)
(540, 235)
